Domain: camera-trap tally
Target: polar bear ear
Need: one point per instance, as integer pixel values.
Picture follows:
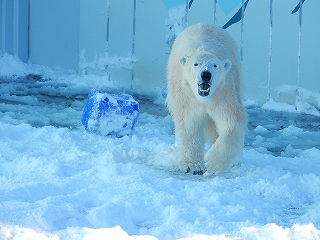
(227, 65)
(183, 60)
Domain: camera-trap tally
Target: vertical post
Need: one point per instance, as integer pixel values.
(242, 16)
(270, 47)
(107, 37)
(299, 50)
(3, 24)
(9, 27)
(214, 11)
(108, 24)
(133, 39)
(15, 27)
(28, 30)
(186, 14)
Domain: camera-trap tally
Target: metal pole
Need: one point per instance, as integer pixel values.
(186, 14)
(214, 11)
(28, 30)
(299, 49)
(107, 37)
(3, 25)
(270, 48)
(133, 39)
(242, 16)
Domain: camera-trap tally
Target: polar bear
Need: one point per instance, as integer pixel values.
(204, 99)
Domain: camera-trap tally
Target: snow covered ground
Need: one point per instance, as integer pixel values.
(59, 182)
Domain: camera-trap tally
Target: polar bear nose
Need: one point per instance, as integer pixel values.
(206, 76)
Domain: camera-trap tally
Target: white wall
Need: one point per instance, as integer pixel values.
(106, 33)
(14, 16)
(97, 37)
(54, 33)
(151, 50)
(145, 24)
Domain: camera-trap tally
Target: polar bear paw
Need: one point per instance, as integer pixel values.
(194, 168)
(215, 164)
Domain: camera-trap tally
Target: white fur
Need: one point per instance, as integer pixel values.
(220, 116)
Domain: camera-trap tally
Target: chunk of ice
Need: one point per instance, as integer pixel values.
(110, 114)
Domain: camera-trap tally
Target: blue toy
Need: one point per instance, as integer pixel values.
(109, 114)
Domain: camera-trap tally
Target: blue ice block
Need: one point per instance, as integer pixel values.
(110, 114)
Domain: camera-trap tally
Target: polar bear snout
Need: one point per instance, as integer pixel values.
(205, 84)
(206, 76)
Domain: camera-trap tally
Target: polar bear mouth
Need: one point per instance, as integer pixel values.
(204, 89)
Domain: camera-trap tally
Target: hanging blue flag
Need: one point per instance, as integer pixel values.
(236, 17)
(190, 3)
(297, 7)
(228, 6)
(173, 3)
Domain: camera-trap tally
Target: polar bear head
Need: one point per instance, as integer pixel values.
(204, 71)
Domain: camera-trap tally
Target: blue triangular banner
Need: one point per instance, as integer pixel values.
(228, 6)
(173, 3)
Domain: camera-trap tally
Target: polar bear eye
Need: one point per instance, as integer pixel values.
(196, 64)
(215, 66)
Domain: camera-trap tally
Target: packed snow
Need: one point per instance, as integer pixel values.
(57, 181)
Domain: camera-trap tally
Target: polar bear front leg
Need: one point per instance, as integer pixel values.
(191, 146)
(226, 151)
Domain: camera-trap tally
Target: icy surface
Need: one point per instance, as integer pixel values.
(59, 182)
